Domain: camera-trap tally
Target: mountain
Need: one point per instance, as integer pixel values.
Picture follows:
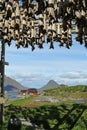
(49, 85)
(12, 85)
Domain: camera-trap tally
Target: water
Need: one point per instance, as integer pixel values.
(12, 95)
(79, 101)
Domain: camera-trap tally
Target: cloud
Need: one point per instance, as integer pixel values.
(74, 77)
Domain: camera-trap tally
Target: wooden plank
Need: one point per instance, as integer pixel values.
(2, 100)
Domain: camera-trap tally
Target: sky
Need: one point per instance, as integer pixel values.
(35, 69)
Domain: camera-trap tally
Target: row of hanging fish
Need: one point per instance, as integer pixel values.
(31, 22)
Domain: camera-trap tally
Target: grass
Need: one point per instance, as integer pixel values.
(22, 102)
(75, 92)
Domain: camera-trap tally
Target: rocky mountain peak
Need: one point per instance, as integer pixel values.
(49, 85)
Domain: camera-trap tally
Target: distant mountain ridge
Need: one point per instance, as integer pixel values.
(51, 84)
(12, 85)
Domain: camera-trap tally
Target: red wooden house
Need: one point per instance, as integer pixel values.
(30, 91)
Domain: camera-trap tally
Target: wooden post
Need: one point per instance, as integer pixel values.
(2, 80)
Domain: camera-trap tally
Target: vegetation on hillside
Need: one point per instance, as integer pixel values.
(73, 92)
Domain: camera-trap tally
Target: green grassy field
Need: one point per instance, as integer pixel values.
(22, 102)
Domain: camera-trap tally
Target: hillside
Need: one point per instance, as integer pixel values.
(51, 84)
(12, 85)
(68, 93)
